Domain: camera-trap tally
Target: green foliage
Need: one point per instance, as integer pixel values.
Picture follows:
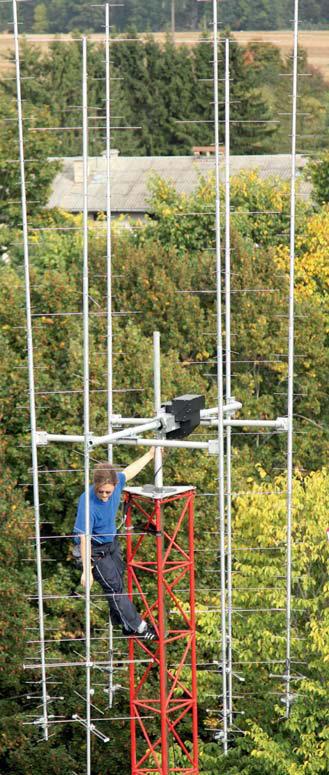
(318, 172)
(259, 16)
(162, 91)
(260, 265)
(260, 213)
(164, 277)
(51, 86)
(165, 93)
(270, 744)
(40, 24)
(65, 15)
(271, 72)
(39, 172)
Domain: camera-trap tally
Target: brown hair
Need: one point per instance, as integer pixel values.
(104, 473)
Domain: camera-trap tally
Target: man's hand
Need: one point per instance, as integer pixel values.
(83, 579)
(134, 468)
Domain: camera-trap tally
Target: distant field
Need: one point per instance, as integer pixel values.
(316, 44)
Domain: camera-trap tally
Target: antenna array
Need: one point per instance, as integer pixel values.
(131, 430)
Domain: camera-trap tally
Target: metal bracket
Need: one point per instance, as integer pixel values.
(213, 447)
(282, 423)
(40, 721)
(115, 688)
(168, 423)
(91, 440)
(291, 697)
(116, 419)
(41, 438)
(91, 728)
(237, 675)
(232, 406)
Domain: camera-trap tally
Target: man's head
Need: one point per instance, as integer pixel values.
(105, 479)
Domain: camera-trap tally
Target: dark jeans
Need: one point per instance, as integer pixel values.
(108, 569)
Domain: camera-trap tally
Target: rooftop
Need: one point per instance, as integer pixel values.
(130, 177)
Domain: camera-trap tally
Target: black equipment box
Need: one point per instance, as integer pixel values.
(186, 410)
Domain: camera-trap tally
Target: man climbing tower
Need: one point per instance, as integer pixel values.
(107, 565)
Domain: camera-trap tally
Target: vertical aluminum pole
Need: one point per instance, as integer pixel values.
(109, 289)
(160, 553)
(111, 668)
(173, 18)
(108, 231)
(31, 380)
(221, 485)
(158, 471)
(228, 377)
(291, 361)
(86, 386)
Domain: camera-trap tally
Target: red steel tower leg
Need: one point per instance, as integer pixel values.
(163, 687)
(193, 629)
(162, 636)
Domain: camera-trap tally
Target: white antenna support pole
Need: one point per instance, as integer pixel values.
(109, 289)
(228, 378)
(173, 18)
(109, 230)
(86, 391)
(31, 379)
(158, 471)
(291, 359)
(221, 484)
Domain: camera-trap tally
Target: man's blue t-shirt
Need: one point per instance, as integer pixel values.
(102, 515)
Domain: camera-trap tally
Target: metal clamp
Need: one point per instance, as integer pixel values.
(282, 423)
(41, 438)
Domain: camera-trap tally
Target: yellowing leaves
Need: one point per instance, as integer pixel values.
(311, 263)
(47, 321)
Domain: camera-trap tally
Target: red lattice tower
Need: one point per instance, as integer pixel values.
(163, 694)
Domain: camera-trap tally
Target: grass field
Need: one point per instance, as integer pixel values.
(316, 44)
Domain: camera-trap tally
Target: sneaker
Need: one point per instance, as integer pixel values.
(149, 634)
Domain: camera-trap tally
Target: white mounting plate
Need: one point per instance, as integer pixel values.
(158, 493)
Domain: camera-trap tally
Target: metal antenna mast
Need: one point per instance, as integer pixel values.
(228, 377)
(108, 230)
(86, 390)
(34, 450)
(173, 17)
(134, 435)
(109, 288)
(158, 472)
(291, 358)
(220, 389)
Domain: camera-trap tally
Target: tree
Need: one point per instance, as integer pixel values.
(40, 19)
(202, 98)
(53, 84)
(164, 276)
(269, 743)
(160, 90)
(157, 85)
(39, 172)
(261, 15)
(318, 172)
(155, 15)
(252, 124)
(67, 15)
(176, 86)
(271, 72)
(260, 267)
